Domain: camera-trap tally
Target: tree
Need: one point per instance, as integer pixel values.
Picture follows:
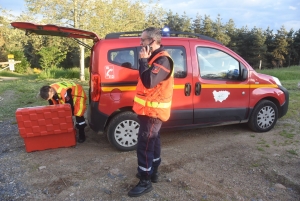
(178, 23)
(173, 21)
(220, 32)
(291, 48)
(99, 16)
(119, 16)
(185, 23)
(241, 40)
(51, 56)
(297, 47)
(270, 47)
(10, 39)
(256, 47)
(281, 45)
(70, 12)
(208, 26)
(196, 24)
(12, 42)
(155, 15)
(232, 33)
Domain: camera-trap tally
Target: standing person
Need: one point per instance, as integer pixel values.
(152, 104)
(68, 92)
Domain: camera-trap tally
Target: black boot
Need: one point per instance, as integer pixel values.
(144, 186)
(81, 137)
(154, 177)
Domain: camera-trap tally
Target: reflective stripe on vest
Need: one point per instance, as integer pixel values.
(152, 104)
(61, 88)
(78, 96)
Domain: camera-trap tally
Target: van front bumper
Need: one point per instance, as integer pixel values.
(284, 107)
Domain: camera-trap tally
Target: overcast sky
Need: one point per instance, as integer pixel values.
(259, 13)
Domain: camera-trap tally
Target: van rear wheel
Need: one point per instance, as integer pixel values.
(264, 116)
(122, 131)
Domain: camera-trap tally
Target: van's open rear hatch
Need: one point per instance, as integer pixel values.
(54, 30)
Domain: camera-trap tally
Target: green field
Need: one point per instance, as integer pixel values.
(19, 91)
(22, 91)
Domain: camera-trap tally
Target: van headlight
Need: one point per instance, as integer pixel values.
(277, 81)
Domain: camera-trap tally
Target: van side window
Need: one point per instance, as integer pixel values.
(122, 57)
(215, 64)
(179, 58)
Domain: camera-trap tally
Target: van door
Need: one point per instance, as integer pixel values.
(182, 103)
(221, 96)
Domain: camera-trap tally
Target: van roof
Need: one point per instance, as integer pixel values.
(172, 34)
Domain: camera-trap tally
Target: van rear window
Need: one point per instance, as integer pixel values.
(123, 57)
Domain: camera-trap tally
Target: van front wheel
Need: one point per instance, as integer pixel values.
(122, 131)
(264, 116)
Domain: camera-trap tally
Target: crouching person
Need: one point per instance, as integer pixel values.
(68, 92)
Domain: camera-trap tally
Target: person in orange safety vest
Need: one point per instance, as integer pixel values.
(152, 104)
(68, 92)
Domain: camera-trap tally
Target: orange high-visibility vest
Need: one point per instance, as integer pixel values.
(78, 96)
(155, 102)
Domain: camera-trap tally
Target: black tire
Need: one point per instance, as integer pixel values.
(122, 131)
(264, 116)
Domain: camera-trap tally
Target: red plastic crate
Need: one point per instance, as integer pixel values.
(46, 127)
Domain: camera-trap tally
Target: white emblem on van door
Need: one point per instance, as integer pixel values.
(220, 95)
(109, 72)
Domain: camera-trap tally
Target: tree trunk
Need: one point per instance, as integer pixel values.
(76, 25)
(259, 64)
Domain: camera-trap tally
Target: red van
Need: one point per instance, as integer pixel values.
(212, 84)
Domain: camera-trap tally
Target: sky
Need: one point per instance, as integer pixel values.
(250, 13)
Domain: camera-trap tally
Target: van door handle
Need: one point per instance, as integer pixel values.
(197, 88)
(187, 89)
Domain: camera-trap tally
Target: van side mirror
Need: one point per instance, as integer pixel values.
(244, 74)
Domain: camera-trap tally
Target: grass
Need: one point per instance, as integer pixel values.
(255, 165)
(51, 73)
(285, 134)
(58, 73)
(10, 74)
(283, 74)
(293, 152)
(23, 91)
(260, 149)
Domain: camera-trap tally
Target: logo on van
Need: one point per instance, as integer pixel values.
(220, 95)
(109, 72)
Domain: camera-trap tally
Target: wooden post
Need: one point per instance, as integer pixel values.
(11, 62)
(259, 64)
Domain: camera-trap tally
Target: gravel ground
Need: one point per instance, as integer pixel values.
(222, 163)
(11, 185)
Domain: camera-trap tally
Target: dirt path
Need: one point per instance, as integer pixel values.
(220, 163)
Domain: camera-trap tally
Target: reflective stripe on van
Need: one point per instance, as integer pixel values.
(207, 86)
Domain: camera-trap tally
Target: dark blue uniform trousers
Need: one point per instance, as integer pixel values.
(148, 145)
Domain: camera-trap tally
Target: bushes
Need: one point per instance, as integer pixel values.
(51, 57)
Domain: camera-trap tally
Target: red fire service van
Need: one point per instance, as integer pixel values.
(212, 84)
